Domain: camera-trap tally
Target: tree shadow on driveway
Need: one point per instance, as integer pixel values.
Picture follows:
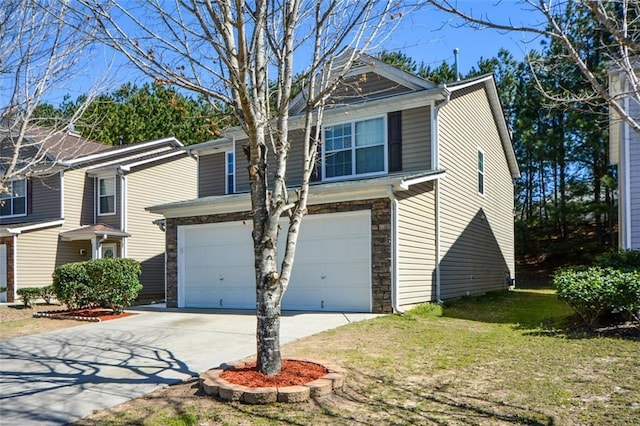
(55, 378)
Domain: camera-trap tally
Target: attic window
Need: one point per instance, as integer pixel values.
(355, 149)
(106, 196)
(14, 201)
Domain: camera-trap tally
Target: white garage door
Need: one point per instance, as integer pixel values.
(332, 268)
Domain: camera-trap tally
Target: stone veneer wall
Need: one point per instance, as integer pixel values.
(11, 289)
(380, 245)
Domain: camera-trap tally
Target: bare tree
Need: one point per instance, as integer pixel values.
(242, 54)
(619, 19)
(38, 56)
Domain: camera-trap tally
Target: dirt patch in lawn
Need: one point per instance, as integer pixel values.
(17, 321)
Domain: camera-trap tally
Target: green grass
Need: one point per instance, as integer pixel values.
(503, 358)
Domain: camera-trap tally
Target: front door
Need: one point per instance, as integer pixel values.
(108, 250)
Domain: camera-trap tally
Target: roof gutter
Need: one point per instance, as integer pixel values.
(20, 229)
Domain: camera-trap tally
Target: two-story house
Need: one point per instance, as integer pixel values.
(83, 200)
(624, 151)
(412, 202)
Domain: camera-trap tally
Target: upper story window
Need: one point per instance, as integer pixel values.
(480, 172)
(14, 201)
(107, 196)
(356, 148)
(230, 172)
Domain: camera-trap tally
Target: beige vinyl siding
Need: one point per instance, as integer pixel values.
(173, 179)
(212, 174)
(78, 198)
(416, 139)
(365, 87)
(477, 232)
(40, 252)
(416, 251)
(88, 202)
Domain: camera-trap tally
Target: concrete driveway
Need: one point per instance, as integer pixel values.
(58, 377)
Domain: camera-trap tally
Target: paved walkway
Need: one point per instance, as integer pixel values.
(58, 377)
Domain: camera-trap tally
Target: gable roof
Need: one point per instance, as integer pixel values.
(64, 146)
(489, 84)
(368, 64)
(45, 149)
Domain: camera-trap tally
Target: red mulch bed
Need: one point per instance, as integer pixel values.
(89, 314)
(293, 373)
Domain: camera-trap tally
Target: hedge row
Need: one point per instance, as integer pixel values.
(109, 282)
(29, 294)
(611, 287)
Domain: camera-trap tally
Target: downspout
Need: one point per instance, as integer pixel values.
(626, 169)
(15, 268)
(62, 194)
(124, 219)
(395, 253)
(435, 165)
(95, 200)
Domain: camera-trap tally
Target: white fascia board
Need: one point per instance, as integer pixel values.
(318, 194)
(362, 109)
(406, 184)
(210, 147)
(20, 229)
(135, 147)
(121, 165)
(128, 167)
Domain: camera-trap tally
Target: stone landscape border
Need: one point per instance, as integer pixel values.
(213, 385)
(61, 315)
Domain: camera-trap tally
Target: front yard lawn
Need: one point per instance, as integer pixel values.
(504, 358)
(17, 320)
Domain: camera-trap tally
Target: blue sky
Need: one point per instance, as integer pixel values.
(426, 35)
(430, 36)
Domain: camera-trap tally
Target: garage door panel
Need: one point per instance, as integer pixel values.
(331, 269)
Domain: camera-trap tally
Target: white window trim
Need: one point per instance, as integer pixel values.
(115, 201)
(353, 150)
(228, 172)
(483, 172)
(26, 199)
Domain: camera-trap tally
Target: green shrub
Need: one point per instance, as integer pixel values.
(47, 293)
(623, 259)
(29, 294)
(595, 292)
(115, 281)
(72, 287)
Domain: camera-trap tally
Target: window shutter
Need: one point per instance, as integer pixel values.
(28, 184)
(316, 172)
(394, 140)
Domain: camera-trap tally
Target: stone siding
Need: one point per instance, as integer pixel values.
(11, 287)
(380, 245)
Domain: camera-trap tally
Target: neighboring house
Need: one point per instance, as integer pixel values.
(83, 200)
(624, 151)
(412, 202)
